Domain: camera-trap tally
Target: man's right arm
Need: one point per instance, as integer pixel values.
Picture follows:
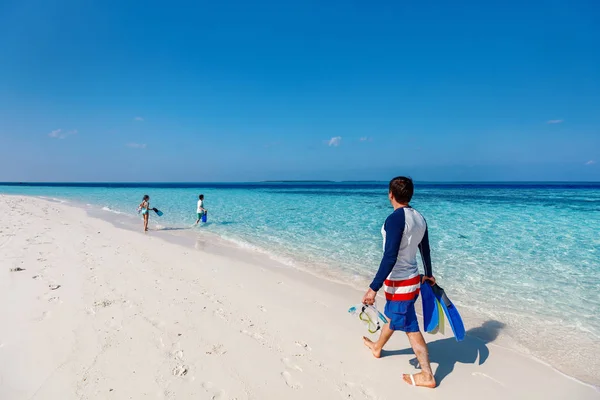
(394, 229)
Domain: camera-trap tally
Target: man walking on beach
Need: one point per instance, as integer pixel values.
(404, 232)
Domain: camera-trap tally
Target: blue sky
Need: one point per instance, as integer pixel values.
(245, 91)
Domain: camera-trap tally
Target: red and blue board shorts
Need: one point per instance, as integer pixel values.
(402, 315)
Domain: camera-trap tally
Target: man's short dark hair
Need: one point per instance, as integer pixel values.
(402, 189)
(201, 197)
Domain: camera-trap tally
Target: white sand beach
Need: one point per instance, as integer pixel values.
(100, 312)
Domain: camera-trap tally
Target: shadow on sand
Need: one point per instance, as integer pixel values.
(447, 352)
(185, 228)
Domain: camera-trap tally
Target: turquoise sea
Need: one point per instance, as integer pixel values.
(525, 254)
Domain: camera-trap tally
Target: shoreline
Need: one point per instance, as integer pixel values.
(299, 282)
(217, 245)
(214, 244)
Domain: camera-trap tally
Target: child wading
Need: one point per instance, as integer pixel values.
(144, 207)
(404, 233)
(200, 210)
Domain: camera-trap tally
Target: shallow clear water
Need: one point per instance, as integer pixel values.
(524, 255)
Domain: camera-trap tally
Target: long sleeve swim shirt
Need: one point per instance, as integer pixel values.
(404, 234)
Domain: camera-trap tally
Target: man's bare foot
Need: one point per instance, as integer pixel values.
(371, 345)
(421, 380)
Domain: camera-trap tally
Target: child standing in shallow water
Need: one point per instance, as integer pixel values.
(200, 210)
(144, 207)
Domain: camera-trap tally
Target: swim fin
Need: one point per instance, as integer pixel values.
(441, 328)
(430, 308)
(451, 312)
(158, 212)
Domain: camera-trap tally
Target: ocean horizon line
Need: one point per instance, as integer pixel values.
(290, 181)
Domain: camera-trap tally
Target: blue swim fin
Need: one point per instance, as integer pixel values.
(451, 312)
(158, 212)
(441, 328)
(430, 310)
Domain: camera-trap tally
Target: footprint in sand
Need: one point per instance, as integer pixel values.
(349, 389)
(261, 308)
(208, 386)
(180, 370)
(36, 277)
(178, 355)
(102, 303)
(290, 365)
(53, 287)
(219, 312)
(54, 300)
(289, 380)
(219, 395)
(155, 322)
(217, 349)
(253, 335)
(45, 315)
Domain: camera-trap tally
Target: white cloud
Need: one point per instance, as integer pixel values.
(55, 133)
(136, 145)
(591, 162)
(60, 134)
(335, 141)
(140, 119)
(556, 121)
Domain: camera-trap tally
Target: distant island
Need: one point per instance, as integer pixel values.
(322, 181)
(298, 181)
(371, 181)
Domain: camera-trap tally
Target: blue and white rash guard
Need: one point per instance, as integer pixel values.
(404, 233)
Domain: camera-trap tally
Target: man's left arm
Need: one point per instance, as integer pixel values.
(426, 257)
